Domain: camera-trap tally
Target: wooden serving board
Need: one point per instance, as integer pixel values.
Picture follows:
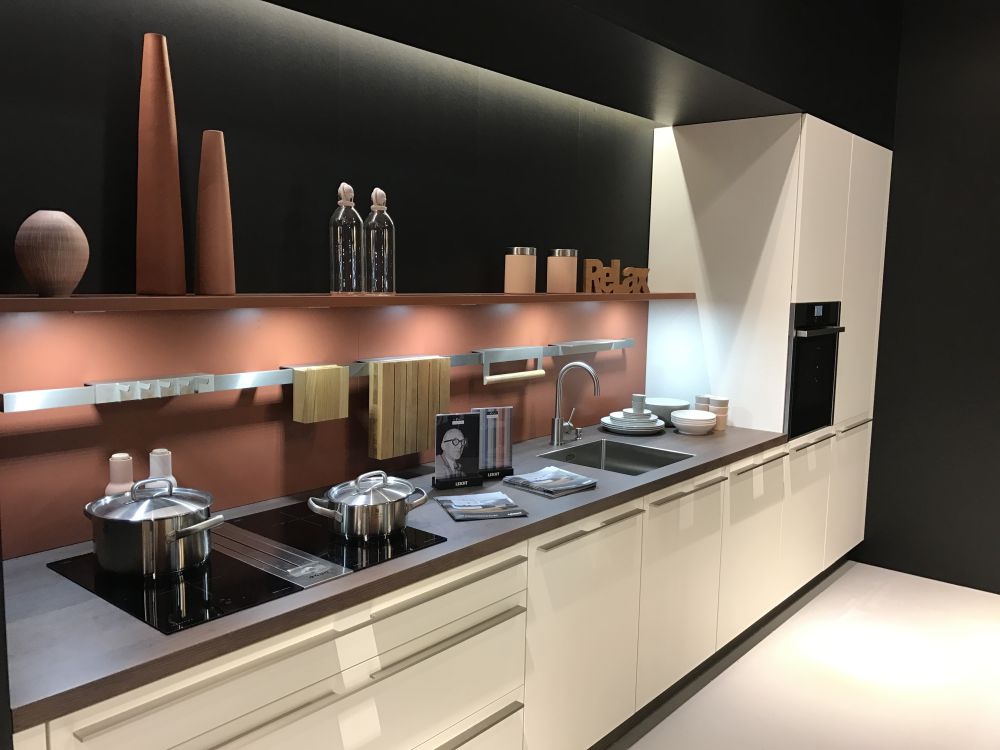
(404, 398)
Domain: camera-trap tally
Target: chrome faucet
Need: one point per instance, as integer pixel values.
(559, 427)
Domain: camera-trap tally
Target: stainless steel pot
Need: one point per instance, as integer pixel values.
(150, 530)
(373, 505)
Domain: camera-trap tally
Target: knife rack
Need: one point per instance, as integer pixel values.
(92, 394)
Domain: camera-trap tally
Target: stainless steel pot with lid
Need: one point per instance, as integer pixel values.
(373, 505)
(152, 529)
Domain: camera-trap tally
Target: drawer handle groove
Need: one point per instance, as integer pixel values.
(581, 533)
(449, 642)
(855, 426)
(447, 588)
(823, 439)
(482, 727)
(112, 723)
(262, 730)
(697, 488)
(762, 463)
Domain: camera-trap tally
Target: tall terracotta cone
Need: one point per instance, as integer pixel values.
(159, 232)
(215, 272)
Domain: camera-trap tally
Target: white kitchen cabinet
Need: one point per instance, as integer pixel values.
(845, 522)
(803, 513)
(867, 214)
(583, 613)
(821, 220)
(679, 599)
(749, 576)
(399, 699)
(31, 739)
(256, 679)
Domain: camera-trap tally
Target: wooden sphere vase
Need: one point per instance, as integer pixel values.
(53, 252)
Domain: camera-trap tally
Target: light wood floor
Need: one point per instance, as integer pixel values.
(879, 660)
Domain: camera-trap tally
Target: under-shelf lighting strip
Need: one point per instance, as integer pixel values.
(136, 389)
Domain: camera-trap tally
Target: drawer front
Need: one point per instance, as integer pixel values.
(176, 710)
(399, 699)
(498, 726)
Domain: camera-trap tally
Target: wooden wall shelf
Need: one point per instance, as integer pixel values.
(136, 303)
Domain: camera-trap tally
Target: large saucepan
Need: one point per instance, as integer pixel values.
(151, 530)
(373, 505)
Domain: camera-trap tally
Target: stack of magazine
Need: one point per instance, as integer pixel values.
(551, 482)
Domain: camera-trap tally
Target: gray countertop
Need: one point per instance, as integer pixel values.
(68, 649)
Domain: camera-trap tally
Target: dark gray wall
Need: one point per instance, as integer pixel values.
(472, 161)
(934, 502)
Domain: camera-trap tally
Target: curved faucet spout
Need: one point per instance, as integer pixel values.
(557, 420)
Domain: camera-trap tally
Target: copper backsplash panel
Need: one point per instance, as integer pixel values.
(243, 446)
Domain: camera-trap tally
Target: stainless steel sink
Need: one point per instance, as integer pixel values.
(614, 455)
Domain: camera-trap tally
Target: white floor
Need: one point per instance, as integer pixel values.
(877, 660)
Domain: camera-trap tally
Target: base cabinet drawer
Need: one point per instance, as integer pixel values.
(749, 575)
(845, 521)
(398, 700)
(175, 710)
(499, 726)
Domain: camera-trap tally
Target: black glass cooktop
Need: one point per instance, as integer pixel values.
(297, 526)
(220, 586)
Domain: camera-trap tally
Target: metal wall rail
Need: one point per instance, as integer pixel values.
(140, 389)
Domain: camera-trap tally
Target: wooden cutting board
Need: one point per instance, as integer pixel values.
(404, 398)
(319, 393)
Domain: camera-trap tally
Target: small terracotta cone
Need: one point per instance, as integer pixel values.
(159, 230)
(215, 271)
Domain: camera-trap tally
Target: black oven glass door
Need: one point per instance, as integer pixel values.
(814, 368)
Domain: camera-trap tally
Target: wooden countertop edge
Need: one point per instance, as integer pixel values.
(60, 704)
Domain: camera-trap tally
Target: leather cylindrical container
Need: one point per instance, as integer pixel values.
(159, 234)
(215, 271)
(561, 271)
(519, 270)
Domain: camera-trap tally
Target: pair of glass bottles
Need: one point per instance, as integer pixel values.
(362, 255)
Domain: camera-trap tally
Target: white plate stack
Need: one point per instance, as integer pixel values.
(693, 421)
(636, 420)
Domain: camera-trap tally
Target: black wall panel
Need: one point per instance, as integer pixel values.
(472, 161)
(933, 501)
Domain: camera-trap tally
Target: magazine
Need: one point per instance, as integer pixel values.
(480, 507)
(551, 482)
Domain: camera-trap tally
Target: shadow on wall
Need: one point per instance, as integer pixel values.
(242, 446)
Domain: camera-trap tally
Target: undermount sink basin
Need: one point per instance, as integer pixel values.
(614, 455)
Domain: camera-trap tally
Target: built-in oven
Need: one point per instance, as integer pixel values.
(812, 368)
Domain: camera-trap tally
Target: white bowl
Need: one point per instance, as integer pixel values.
(685, 429)
(693, 415)
(664, 407)
(718, 400)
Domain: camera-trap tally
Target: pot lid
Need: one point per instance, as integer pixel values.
(149, 500)
(373, 488)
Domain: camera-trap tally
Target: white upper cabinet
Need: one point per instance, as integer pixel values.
(871, 166)
(821, 225)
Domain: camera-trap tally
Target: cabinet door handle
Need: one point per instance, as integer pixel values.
(581, 533)
(771, 460)
(855, 426)
(823, 439)
(446, 588)
(112, 723)
(697, 488)
(460, 740)
(289, 717)
(447, 643)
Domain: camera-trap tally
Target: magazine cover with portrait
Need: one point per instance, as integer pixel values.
(456, 451)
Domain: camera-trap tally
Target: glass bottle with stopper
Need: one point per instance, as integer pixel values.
(380, 239)
(348, 272)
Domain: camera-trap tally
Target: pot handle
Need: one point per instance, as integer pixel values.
(315, 507)
(171, 486)
(411, 504)
(208, 523)
(370, 474)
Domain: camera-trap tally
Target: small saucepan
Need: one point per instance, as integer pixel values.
(151, 529)
(373, 505)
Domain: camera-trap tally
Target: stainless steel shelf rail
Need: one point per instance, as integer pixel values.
(141, 389)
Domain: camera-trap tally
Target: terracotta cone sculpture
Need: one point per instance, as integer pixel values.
(215, 271)
(159, 232)
(53, 252)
